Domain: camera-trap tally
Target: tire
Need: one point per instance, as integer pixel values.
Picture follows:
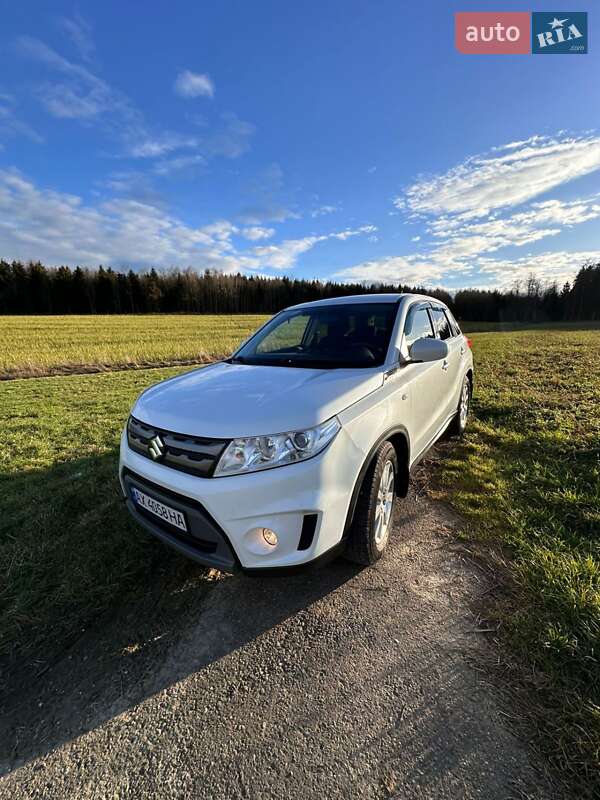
(374, 513)
(459, 423)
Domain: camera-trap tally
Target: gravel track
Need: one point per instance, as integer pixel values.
(336, 683)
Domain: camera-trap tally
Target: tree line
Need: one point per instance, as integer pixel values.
(33, 288)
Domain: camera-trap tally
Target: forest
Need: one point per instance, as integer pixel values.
(33, 288)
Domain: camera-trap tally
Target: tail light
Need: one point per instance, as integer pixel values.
(469, 342)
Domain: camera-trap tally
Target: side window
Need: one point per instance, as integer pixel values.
(442, 326)
(417, 325)
(453, 323)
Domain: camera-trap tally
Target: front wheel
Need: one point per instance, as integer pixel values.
(373, 516)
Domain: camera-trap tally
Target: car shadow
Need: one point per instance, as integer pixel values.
(85, 653)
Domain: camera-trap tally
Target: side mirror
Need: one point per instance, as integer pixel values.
(428, 350)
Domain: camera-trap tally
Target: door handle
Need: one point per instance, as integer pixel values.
(445, 364)
(462, 350)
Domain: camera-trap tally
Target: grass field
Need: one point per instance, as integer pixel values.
(51, 345)
(63, 345)
(526, 477)
(67, 548)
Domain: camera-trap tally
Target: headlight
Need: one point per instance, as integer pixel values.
(263, 452)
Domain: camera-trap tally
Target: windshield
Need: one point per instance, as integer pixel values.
(325, 337)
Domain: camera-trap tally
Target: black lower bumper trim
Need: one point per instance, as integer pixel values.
(320, 561)
(205, 541)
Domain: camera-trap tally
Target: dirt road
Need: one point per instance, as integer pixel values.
(339, 683)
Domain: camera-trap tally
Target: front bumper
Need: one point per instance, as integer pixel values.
(205, 542)
(306, 504)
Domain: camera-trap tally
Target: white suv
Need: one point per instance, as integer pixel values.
(295, 448)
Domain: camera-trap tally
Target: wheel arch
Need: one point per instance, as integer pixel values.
(399, 438)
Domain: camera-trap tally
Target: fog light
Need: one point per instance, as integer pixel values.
(270, 537)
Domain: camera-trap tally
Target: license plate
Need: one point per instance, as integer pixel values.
(166, 513)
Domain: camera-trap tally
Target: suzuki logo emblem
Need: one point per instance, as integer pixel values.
(156, 448)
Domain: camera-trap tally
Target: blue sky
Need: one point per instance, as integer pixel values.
(342, 140)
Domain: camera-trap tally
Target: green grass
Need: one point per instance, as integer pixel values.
(68, 551)
(48, 345)
(482, 327)
(527, 475)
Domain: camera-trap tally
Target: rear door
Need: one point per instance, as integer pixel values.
(451, 366)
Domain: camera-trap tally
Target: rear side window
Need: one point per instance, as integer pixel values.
(441, 324)
(417, 325)
(453, 323)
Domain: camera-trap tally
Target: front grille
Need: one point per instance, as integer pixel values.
(192, 454)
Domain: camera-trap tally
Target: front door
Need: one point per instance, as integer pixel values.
(425, 382)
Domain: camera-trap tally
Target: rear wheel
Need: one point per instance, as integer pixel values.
(459, 423)
(373, 516)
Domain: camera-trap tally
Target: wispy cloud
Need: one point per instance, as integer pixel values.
(266, 200)
(10, 124)
(60, 228)
(469, 213)
(511, 175)
(194, 84)
(550, 266)
(285, 254)
(538, 221)
(79, 32)
(256, 232)
(160, 145)
(231, 138)
(322, 211)
(80, 94)
(170, 166)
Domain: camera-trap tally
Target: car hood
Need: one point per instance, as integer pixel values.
(228, 400)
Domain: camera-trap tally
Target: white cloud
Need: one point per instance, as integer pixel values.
(79, 31)
(463, 247)
(10, 124)
(285, 254)
(169, 166)
(266, 201)
(512, 175)
(160, 145)
(257, 232)
(323, 210)
(557, 265)
(394, 269)
(194, 84)
(540, 220)
(231, 139)
(81, 94)
(58, 228)
(466, 212)
(346, 234)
